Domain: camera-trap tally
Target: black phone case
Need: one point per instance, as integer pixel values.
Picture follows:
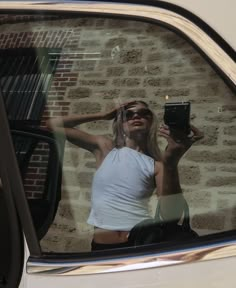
(177, 116)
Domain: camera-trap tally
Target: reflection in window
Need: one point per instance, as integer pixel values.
(104, 62)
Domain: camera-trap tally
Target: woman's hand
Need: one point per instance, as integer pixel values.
(178, 143)
(114, 112)
(110, 114)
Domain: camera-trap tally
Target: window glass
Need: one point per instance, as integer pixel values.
(93, 65)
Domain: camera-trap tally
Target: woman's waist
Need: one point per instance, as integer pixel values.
(116, 220)
(104, 236)
(106, 232)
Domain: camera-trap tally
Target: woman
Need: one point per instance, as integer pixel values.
(129, 168)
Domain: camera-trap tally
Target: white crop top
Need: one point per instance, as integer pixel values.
(121, 188)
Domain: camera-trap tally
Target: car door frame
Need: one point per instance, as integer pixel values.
(39, 263)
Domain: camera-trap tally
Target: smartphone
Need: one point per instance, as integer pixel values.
(177, 116)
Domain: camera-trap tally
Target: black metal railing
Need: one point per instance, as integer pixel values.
(25, 78)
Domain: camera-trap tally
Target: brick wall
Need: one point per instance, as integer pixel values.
(108, 61)
(36, 175)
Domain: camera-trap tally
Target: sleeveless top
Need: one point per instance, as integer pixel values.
(121, 188)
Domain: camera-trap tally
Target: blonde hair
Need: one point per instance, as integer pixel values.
(153, 149)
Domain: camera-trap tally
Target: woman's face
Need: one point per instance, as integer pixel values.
(137, 118)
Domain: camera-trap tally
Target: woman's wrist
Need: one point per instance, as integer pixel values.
(94, 116)
(170, 163)
(99, 116)
(108, 115)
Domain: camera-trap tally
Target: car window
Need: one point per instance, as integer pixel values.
(54, 67)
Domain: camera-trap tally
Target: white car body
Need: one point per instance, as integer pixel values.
(215, 266)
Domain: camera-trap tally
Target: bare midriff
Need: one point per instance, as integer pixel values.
(103, 236)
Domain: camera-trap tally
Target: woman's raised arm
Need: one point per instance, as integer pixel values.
(66, 126)
(167, 176)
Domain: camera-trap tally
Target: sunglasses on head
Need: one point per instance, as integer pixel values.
(142, 113)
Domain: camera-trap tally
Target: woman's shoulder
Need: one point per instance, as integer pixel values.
(104, 142)
(105, 145)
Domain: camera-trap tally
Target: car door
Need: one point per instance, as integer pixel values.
(78, 57)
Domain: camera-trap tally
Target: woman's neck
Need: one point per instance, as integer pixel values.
(140, 146)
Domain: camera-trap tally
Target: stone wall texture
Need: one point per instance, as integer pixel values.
(106, 62)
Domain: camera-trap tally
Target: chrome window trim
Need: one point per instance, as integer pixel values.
(216, 54)
(131, 263)
(188, 28)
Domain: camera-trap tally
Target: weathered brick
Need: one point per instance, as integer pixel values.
(229, 142)
(78, 244)
(69, 192)
(132, 56)
(154, 30)
(85, 179)
(93, 75)
(54, 108)
(115, 71)
(84, 65)
(129, 82)
(222, 156)
(222, 205)
(86, 108)
(161, 56)
(234, 211)
(198, 199)
(221, 117)
(79, 93)
(70, 178)
(71, 158)
(185, 80)
(170, 40)
(34, 188)
(108, 94)
(88, 155)
(233, 223)
(28, 182)
(67, 84)
(197, 59)
(90, 43)
(231, 108)
(86, 196)
(156, 82)
(181, 68)
(227, 169)
(81, 213)
(60, 114)
(211, 134)
(135, 93)
(65, 211)
(145, 42)
(220, 181)
(133, 30)
(172, 92)
(189, 175)
(111, 43)
(147, 69)
(210, 168)
(231, 130)
(208, 221)
(93, 82)
(207, 89)
(100, 22)
(90, 164)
